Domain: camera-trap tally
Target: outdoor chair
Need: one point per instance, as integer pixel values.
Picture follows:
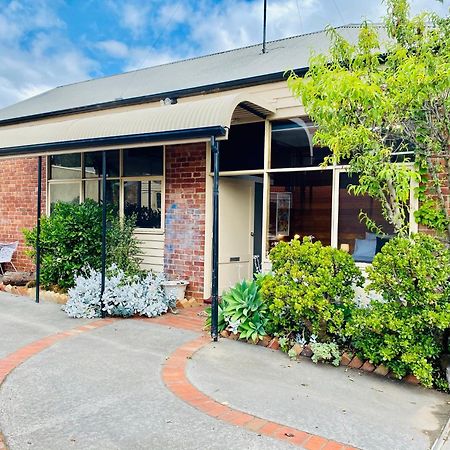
(6, 253)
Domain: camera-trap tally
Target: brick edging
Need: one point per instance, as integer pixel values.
(348, 359)
(13, 360)
(175, 378)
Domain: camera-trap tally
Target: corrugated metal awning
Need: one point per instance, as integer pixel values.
(191, 120)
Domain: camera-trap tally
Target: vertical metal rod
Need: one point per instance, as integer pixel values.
(215, 244)
(264, 27)
(102, 289)
(38, 228)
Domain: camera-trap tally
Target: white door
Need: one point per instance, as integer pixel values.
(236, 211)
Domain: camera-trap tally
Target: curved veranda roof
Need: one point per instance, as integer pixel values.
(196, 119)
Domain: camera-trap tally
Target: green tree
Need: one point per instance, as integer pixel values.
(386, 94)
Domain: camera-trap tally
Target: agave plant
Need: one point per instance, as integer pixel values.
(243, 305)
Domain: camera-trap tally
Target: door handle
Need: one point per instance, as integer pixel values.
(252, 234)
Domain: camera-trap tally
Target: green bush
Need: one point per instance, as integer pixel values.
(311, 289)
(404, 332)
(242, 310)
(71, 241)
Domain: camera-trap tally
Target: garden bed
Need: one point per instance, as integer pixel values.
(347, 359)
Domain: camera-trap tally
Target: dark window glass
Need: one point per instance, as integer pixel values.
(146, 161)
(300, 204)
(292, 146)
(65, 167)
(93, 164)
(143, 200)
(244, 149)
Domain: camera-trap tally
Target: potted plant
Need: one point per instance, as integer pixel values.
(175, 288)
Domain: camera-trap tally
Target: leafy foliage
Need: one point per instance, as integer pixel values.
(374, 99)
(311, 288)
(326, 352)
(243, 311)
(71, 241)
(405, 331)
(123, 296)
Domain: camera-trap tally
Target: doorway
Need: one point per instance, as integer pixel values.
(240, 228)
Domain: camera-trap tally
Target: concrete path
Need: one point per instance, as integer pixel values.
(103, 389)
(345, 405)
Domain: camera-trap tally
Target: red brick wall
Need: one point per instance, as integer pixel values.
(18, 196)
(185, 215)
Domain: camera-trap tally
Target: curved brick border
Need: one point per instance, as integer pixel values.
(10, 362)
(174, 377)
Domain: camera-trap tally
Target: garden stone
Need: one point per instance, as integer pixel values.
(307, 351)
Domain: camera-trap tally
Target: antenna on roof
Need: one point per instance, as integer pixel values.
(264, 27)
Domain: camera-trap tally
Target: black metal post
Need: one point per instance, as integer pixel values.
(102, 289)
(215, 244)
(264, 27)
(38, 228)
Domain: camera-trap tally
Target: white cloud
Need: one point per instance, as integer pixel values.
(36, 62)
(113, 48)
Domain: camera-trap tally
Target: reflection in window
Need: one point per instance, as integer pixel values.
(139, 162)
(93, 190)
(65, 167)
(64, 192)
(143, 199)
(93, 164)
(300, 204)
(292, 145)
(352, 233)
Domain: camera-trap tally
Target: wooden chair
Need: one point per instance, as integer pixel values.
(6, 253)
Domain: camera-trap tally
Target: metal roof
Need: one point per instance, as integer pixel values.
(194, 119)
(208, 72)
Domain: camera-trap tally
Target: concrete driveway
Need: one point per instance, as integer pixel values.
(101, 387)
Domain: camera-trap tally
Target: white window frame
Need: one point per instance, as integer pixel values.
(82, 180)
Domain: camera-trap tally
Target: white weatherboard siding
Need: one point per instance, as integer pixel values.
(152, 248)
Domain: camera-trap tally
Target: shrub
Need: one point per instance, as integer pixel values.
(404, 332)
(326, 352)
(311, 288)
(71, 240)
(243, 311)
(124, 296)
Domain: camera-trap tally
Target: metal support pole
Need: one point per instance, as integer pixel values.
(102, 289)
(38, 228)
(215, 244)
(264, 27)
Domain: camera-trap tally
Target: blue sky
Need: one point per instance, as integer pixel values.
(48, 43)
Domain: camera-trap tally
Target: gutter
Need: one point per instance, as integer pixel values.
(205, 89)
(159, 136)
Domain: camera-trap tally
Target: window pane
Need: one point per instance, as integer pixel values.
(65, 167)
(143, 161)
(93, 190)
(353, 235)
(292, 145)
(93, 164)
(244, 149)
(64, 192)
(143, 199)
(300, 204)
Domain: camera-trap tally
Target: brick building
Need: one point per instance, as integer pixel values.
(156, 125)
